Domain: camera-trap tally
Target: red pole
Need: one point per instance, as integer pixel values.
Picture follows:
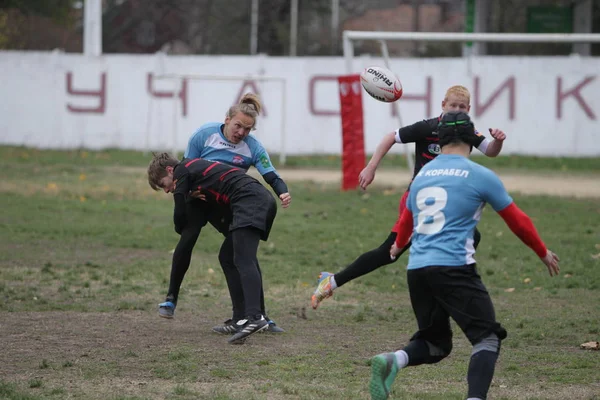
(353, 143)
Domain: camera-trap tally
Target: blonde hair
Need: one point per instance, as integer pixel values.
(249, 104)
(458, 91)
(158, 168)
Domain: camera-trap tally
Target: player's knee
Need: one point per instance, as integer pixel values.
(441, 349)
(489, 343)
(225, 258)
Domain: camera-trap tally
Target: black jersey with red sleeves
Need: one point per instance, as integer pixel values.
(424, 135)
(215, 180)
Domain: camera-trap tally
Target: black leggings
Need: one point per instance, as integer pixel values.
(234, 281)
(198, 214)
(376, 258)
(245, 247)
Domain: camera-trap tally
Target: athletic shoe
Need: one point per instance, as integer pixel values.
(323, 290)
(228, 327)
(250, 327)
(273, 328)
(383, 373)
(166, 309)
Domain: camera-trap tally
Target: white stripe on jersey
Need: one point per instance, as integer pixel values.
(470, 251)
(216, 142)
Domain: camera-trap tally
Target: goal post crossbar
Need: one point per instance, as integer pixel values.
(349, 36)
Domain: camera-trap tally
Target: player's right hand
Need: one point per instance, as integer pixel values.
(198, 195)
(365, 177)
(551, 260)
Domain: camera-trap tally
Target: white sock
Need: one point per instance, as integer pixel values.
(332, 283)
(401, 359)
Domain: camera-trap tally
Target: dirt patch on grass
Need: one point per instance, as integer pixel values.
(137, 354)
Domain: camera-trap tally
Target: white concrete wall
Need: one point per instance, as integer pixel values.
(547, 105)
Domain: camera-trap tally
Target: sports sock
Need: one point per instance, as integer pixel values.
(401, 359)
(332, 283)
(480, 373)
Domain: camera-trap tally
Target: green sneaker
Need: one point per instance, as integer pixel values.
(383, 373)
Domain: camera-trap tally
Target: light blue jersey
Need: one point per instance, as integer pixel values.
(446, 199)
(208, 142)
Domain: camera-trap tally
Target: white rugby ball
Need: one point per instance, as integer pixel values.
(381, 84)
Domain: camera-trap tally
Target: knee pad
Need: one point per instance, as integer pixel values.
(488, 343)
(442, 349)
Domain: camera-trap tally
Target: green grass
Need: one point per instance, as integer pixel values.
(85, 255)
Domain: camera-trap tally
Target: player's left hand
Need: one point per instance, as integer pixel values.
(286, 199)
(497, 134)
(394, 251)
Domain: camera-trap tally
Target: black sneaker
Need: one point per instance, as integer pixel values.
(228, 327)
(249, 327)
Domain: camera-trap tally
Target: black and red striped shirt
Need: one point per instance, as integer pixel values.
(424, 135)
(215, 180)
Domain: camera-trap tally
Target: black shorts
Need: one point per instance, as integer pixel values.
(199, 212)
(253, 205)
(438, 293)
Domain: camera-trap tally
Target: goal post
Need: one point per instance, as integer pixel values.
(350, 36)
(177, 79)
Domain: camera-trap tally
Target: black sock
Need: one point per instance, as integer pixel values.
(481, 372)
(368, 262)
(419, 352)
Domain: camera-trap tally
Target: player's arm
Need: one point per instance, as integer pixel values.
(406, 229)
(408, 134)
(493, 148)
(522, 226)
(263, 164)
(182, 188)
(367, 175)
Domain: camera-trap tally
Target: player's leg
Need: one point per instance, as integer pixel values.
(245, 248)
(364, 264)
(273, 327)
(474, 313)
(196, 215)
(254, 210)
(234, 285)
(221, 218)
(431, 344)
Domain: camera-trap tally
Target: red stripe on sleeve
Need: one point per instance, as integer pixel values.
(405, 228)
(191, 162)
(521, 225)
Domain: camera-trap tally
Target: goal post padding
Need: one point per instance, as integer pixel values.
(353, 143)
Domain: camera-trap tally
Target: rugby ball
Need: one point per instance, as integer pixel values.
(381, 84)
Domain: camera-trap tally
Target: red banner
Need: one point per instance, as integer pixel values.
(353, 142)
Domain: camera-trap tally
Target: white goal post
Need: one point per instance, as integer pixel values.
(382, 37)
(178, 78)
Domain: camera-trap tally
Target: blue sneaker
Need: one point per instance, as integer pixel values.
(383, 373)
(273, 328)
(166, 309)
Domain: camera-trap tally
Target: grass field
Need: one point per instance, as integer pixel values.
(85, 258)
